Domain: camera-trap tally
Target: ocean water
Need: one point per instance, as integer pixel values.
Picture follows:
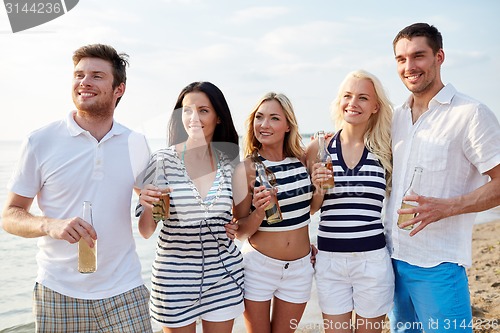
(18, 271)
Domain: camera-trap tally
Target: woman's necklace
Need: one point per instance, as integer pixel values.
(219, 176)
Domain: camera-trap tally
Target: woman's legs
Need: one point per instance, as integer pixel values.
(257, 316)
(286, 316)
(341, 323)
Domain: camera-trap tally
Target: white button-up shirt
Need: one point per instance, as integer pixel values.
(455, 142)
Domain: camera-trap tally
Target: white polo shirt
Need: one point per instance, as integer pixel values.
(63, 165)
(455, 141)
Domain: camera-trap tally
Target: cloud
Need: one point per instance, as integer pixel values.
(464, 58)
(290, 43)
(182, 2)
(319, 41)
(258, 13)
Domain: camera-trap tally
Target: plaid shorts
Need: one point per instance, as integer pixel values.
(56, 313)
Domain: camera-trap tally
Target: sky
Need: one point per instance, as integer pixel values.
(300, 48)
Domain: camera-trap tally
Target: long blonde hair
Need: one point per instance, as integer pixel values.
(292, 147)
(378, 134)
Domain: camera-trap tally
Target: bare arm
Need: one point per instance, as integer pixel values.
(18, 221)
(243, 180)
(432, 210)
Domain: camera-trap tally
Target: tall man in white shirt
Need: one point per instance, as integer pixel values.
(456, 140)
(85, 157)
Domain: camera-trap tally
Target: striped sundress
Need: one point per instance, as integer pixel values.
(197, 269)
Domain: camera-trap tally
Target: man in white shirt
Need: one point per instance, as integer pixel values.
(85, 157)
(456, 141)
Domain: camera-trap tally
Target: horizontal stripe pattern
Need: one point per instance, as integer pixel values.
(197, 268)
(350, 219)
(294, 194)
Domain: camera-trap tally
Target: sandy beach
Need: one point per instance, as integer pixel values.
(484, 277)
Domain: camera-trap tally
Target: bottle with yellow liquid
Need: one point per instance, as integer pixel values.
(161, 209)
(87, 256)
(273, 211)
(414, 188)
(325, 158)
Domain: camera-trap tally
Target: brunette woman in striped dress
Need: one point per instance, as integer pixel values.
(197, 273)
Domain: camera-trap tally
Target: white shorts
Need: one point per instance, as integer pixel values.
(265, 277)
(360, 281)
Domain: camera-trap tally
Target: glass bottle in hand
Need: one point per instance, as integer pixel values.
(413, 189)
(87, 256)
(161, 208)
(273, 211)
(325, 158)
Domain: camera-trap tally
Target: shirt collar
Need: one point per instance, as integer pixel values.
(75, 130)
(444, 96)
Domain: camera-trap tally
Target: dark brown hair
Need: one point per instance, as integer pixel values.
(430, 32)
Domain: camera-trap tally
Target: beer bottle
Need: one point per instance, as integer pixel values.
(414, 188)
(273, 211)
(87, 256)
(161, 209)
(325, 158)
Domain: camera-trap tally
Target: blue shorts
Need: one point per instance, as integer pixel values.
(433, 300)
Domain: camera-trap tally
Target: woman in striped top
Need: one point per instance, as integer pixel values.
(198, 270)
(277, 262)
(353, 268)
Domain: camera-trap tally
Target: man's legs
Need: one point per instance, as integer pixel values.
(438, 297)
(127, 312)
(403, 318)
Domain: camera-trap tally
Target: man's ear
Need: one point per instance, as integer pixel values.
(120, 90)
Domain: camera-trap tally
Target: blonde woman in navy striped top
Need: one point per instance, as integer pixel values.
(353, 268)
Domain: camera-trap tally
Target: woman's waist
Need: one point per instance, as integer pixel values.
(284, 245)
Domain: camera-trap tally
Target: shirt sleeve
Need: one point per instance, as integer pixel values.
(140, 155)
(482, 140)
(26, 180)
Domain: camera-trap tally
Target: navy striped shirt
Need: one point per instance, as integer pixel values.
(351, 211)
